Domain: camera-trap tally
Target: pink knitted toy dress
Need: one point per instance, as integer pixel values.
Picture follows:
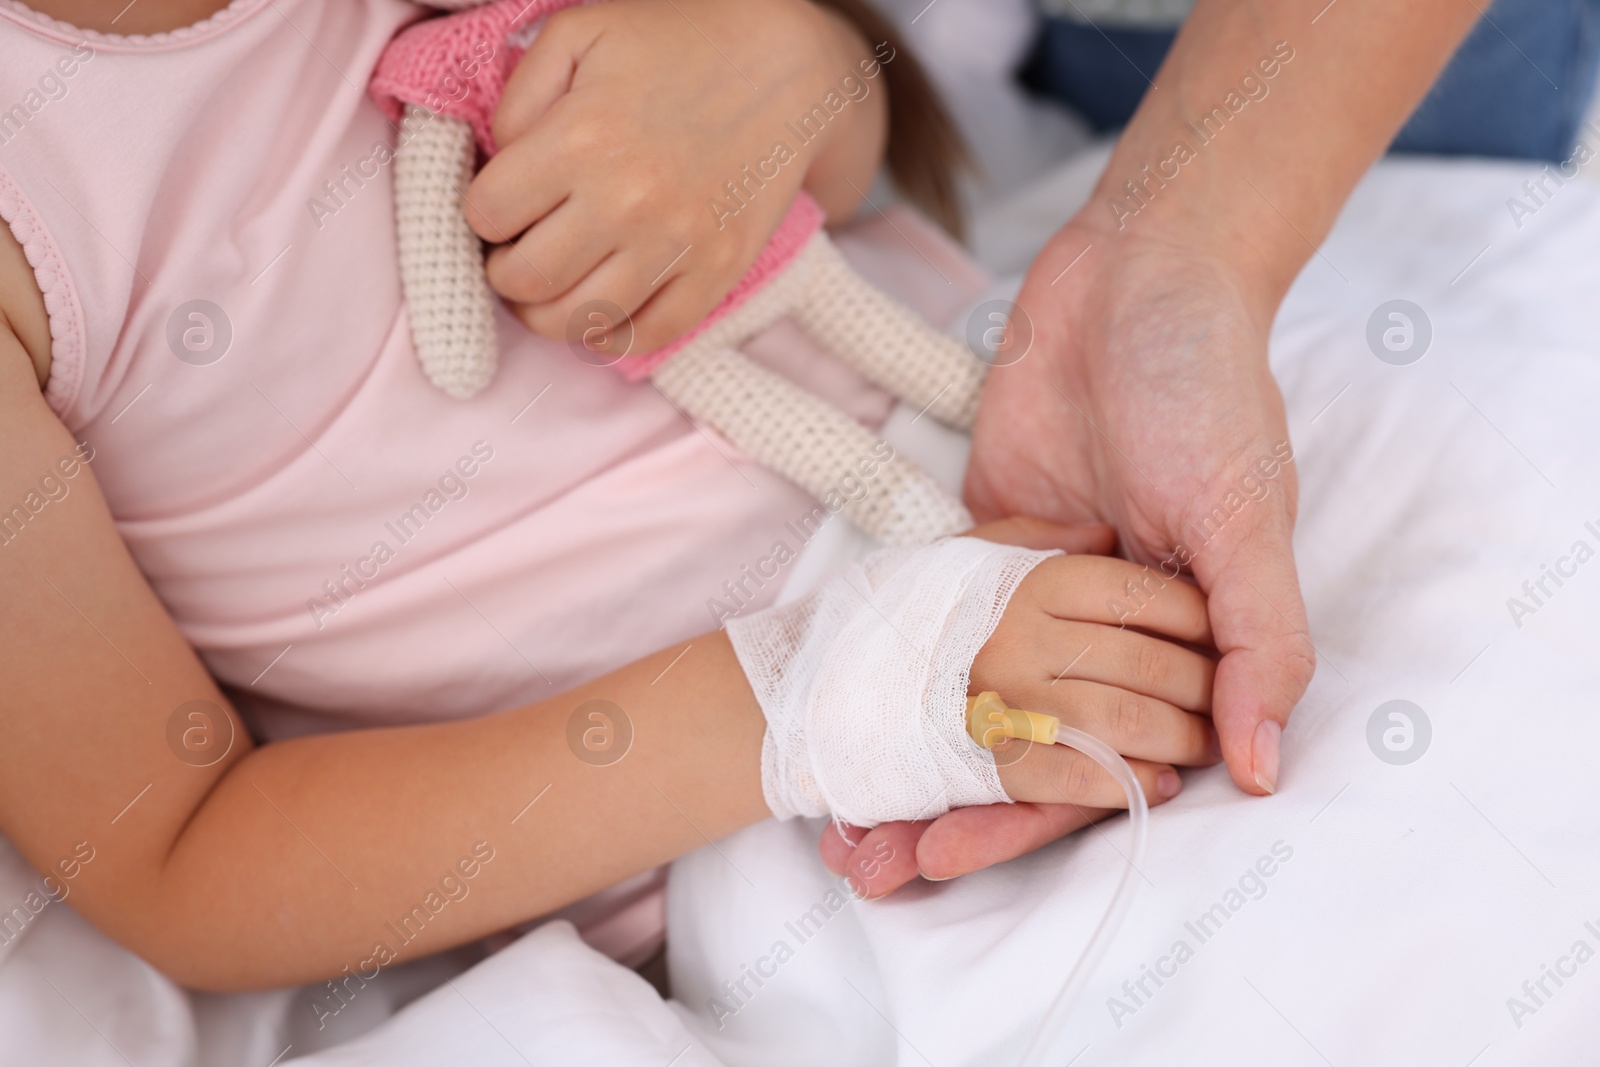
(440, 81)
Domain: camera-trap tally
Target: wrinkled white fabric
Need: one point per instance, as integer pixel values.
(864, 683)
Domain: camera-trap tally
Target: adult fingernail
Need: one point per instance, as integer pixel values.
(1264, 755)
(1168, 784)
(931, 878)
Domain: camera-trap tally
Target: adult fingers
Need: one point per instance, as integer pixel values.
(877, 861)
(1260, 625)
(881, 860)
(969, 839)
(838, 842)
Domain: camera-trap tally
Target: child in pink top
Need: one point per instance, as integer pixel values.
(242, 512)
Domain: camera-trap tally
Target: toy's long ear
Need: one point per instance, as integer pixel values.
(441, 259)
(542, 76)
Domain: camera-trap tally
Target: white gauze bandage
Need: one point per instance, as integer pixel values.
(864, 683)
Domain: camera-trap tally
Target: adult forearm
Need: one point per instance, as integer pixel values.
(357, 849)
(1263, 118)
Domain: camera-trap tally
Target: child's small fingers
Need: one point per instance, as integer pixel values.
(512, 192)
(1126, 659)
(611, 294)
(1059, 774)
(555, 254)
(970, 839)
(1134, 724)
(542, 75)
(673, 308)
(1118, 593)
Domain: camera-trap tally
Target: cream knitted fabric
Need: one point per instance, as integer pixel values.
(776, 423)
(441, 259)
(887, 341)
(811, 443)
(864, 683)
(808, 441)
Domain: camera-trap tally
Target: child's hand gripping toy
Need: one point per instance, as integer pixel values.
(442, 79)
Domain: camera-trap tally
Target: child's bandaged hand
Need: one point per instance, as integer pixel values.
(617, 133)
(1077, 641)
(864, 682)
(1102, 644)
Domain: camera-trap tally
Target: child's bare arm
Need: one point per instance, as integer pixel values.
(649, 149)
(292, 861)
(285, 863)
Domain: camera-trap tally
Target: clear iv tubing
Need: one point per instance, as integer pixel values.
(988, 721)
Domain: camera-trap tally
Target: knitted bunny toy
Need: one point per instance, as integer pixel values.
(440, 80)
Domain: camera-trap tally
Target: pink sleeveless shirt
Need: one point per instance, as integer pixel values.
(209, 215)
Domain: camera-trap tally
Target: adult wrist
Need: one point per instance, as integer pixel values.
(1108, 264)
(1197, 210)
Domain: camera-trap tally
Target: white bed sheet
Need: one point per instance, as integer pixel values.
(1407, 904)
(1417, 898)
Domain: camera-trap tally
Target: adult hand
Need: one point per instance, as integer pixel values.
(1146, 402)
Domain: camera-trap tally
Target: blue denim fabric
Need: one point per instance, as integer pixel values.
(1517, 88)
